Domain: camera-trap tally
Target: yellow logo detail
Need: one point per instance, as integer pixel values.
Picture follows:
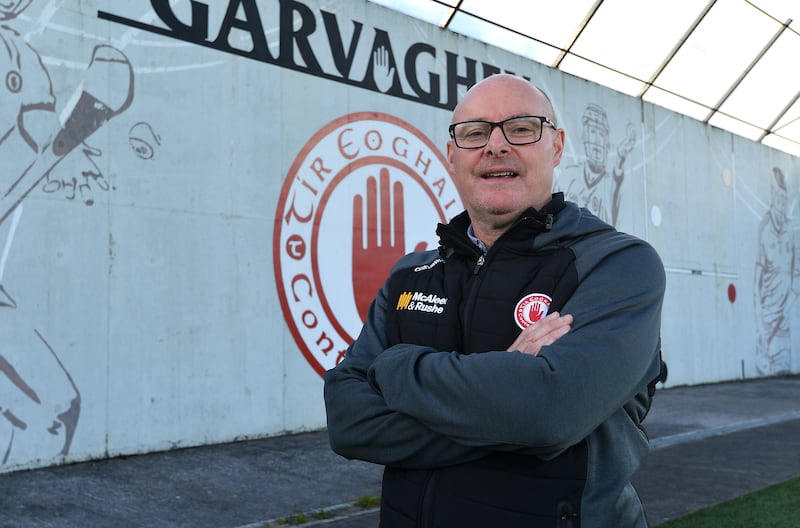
(402, 302)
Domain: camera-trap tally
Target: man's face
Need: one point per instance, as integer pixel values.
(499, 181)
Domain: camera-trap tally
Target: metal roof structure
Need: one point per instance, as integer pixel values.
(734, 64)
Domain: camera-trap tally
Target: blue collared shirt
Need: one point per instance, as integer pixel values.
(475, 240)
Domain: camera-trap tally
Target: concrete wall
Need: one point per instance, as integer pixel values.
(183, 189)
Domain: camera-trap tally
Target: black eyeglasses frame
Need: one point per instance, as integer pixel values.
(495, 124)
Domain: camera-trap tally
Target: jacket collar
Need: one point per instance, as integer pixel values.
(453, 235)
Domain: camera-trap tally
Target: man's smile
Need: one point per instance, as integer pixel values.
(503, 174)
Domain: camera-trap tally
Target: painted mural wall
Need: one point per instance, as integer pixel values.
(198, 201)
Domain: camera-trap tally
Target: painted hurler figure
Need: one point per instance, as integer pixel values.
(777, 269)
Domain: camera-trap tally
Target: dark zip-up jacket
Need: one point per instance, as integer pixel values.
(472, 435)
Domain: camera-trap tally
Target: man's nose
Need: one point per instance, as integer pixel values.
(497, 141)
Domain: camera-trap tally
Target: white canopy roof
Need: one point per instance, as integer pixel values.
(734, 64)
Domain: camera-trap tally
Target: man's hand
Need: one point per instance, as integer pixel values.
(541, 333)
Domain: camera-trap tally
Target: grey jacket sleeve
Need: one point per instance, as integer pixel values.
(511, 401)
(360, 423)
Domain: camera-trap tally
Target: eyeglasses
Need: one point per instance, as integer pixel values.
(521, 130)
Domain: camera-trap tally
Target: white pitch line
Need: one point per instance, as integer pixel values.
(671, 440)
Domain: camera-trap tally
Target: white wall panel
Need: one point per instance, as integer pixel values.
(183, 272)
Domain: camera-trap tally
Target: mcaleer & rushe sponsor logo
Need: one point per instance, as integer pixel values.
(421, 302)
(365, 190)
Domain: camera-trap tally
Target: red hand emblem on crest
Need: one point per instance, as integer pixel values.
(536, 313)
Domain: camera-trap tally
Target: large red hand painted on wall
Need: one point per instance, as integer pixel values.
(365, 190)
(384, 230)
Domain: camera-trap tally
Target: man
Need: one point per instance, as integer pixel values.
(486, 405)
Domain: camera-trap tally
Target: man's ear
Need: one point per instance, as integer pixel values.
(558, 146)
(450, 152)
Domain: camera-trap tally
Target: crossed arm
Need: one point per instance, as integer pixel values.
(361, 424)
(414, 406)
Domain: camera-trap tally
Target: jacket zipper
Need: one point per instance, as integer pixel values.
(471, 298)
(567, 518)
(478, 265)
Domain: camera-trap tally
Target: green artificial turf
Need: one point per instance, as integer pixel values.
(775, 507)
